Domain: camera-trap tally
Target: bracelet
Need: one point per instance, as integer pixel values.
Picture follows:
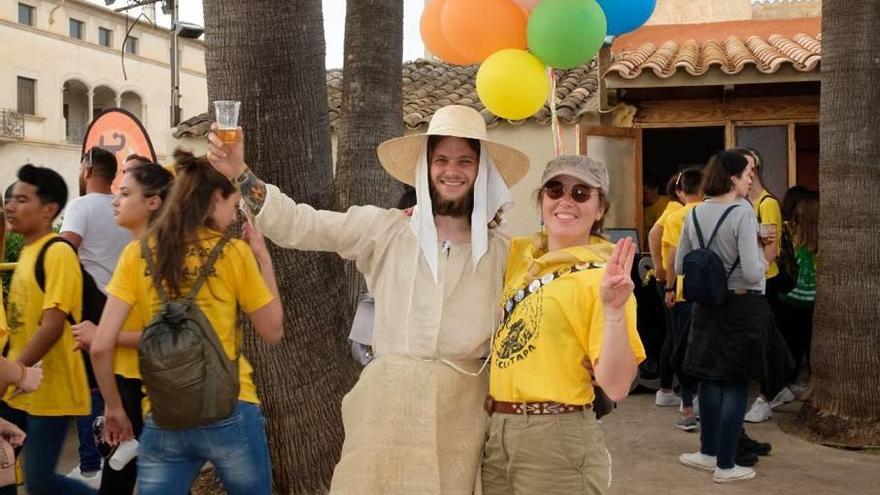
(23, 373)
(670, 289)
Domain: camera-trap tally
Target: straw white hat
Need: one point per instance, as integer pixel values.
(400, 155)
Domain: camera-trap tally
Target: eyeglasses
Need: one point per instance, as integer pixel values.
(579, 193)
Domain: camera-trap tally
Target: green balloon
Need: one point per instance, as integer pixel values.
(566, 33)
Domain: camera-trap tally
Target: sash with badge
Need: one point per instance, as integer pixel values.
(602, 405)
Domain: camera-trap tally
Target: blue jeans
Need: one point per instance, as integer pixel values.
(722, 408)
(45, 440)
(89, 457)
(169, 460)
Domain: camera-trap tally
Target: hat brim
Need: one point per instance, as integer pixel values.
(399, 157)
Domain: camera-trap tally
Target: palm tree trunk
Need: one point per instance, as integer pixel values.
(843, 405)
(270, 56)
(371, 111)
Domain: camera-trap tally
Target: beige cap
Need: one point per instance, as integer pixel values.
(586, 169)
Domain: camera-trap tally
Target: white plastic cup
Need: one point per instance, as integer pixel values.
(126, 451)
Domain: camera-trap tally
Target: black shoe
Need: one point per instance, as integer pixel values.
(746, 458)
(746, 444)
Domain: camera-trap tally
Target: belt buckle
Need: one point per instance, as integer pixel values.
(489, 404)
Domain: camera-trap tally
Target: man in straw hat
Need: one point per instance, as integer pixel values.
(414, 421)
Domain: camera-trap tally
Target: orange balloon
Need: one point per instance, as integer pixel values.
(432, 35)
(479, 28)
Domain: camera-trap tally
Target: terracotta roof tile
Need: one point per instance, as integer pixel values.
(429, 85)
(699, 54)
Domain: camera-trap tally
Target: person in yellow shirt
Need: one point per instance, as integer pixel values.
(201, 206)
(142, 192)
(568, 306)
(768, 210)
(39, 331)
(691, 185)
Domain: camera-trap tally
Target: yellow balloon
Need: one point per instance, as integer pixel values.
(513, 84)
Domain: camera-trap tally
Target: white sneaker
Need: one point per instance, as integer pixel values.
(93, 481)
(736, 473)
(698, 460)
(783, 397)
(666, 399)
(759, 412)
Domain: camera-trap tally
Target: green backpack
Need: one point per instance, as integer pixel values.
(189, 379)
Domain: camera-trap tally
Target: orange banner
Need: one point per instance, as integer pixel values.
(118, 131)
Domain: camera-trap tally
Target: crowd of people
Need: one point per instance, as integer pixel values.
(488, 359)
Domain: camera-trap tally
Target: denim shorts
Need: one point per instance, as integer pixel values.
(169, 460)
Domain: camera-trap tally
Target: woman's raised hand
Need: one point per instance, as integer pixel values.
(617, 285)
(227, 158)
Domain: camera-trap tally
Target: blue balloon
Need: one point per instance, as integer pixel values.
(626, 15)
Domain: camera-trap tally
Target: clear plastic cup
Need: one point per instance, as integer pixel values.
(226, 113)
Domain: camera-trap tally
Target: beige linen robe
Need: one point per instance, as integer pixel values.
(413, 423)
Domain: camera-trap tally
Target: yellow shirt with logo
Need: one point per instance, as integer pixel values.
(64, 390)
(769, 212)
(671, 236)
(235, 283)
(655, 211)
(538, 352)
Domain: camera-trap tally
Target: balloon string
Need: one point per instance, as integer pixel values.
(555, 128)
(554, 122)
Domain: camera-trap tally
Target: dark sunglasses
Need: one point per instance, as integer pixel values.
(579, 193)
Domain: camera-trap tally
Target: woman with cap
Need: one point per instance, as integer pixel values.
(726, 346)
(414, 421)
(569, 312)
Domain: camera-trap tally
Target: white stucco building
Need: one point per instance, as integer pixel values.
(61, 63)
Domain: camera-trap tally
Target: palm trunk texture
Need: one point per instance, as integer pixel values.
(270, 56)
(843, 404)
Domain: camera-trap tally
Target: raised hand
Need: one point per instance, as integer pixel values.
(617, 285)
(227, 158)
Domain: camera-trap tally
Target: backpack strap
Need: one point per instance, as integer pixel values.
(758, 208)
(714, 233)
(204, 270)
(40, 267)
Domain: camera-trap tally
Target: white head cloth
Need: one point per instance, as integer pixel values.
(490, 195)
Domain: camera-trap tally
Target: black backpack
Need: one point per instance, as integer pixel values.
(93, 300)
(189, 379)
(705, 279)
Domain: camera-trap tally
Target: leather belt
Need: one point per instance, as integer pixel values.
(549, 407)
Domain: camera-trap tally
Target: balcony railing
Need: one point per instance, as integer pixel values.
(11, 124)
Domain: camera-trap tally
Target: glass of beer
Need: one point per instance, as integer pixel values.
(226, 114)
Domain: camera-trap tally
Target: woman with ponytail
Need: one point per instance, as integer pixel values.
(202, 206)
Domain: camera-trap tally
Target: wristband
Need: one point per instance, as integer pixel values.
(240, 177)
(670, 289)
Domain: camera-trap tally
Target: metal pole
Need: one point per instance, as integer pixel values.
(175, 67)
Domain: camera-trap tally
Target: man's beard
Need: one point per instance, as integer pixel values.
(458, 208)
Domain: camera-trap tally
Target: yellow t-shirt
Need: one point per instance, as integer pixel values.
(235, 282)
(125, 362)
(538, 351)
(672, 206)
(672, 229)
(655, 211)
(64, 390)
(770, 212)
